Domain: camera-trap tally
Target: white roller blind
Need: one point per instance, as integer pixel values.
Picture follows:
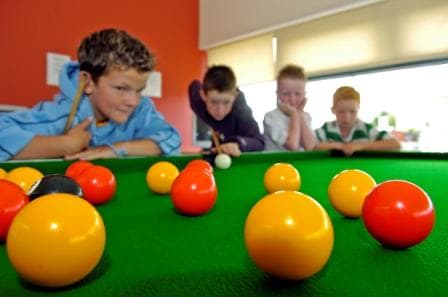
(386, 33)
(250, 59)
(227, 21)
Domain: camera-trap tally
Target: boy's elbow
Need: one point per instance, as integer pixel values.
(310, 145)
(396, 144)
(291, 146)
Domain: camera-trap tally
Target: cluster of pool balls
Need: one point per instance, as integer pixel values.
(54, 214)
(288, 234)
(193, 191)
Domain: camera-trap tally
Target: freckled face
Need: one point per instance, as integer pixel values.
(346, 112)
(219, 104)
(291, 91)
(116, 94)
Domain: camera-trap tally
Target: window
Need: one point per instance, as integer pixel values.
(202, 136)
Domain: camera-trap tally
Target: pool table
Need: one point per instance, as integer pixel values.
(153, 251)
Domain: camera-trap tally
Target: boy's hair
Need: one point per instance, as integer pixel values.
(111, 47)
(346, 93)
(220, 78)
(291, 71)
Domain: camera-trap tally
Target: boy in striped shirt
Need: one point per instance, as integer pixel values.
(348, 133)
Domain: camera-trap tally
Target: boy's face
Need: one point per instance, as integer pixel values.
(291, 91)
(116, 94)
(346, 112)
(219, 104)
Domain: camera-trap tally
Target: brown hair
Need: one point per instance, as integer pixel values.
(220, 78)
(346, 93)
(291, 71)
(111, 48)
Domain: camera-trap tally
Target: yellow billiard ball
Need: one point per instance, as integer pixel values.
(347, 191)
(56, 240)
(3, 173)
(289, 235)
(282, 177)
(160, 177)
(25, 177)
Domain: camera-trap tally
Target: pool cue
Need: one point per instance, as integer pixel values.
(75, 104)
(216, 141)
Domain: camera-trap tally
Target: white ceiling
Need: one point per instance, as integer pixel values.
(223, 21)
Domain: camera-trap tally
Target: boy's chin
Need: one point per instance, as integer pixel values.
(218, 118)
(119, 119)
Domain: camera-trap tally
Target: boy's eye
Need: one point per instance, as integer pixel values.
(121, 88)
(220, 102)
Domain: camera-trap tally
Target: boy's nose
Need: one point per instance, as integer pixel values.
(220, 108)
(133, 98)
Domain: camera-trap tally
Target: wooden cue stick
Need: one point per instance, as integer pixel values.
(216, 141)
(76, 100)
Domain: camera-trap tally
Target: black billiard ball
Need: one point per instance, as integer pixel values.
(55, 183)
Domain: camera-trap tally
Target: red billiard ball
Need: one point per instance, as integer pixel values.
(76, 168)
(12, 200)
(97, 183)
(199, 164)
(194, 193)
(398, 214)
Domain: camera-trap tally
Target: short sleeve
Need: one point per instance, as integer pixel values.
(273, 130)
(320, 135)
(374, 135)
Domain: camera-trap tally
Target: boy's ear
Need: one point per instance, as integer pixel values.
(203, 95)
(236, 92)
(88, 87)
(332, 109)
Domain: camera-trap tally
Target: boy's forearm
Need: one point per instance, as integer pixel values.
(292, 141)
(385, 144)
(328, 145)
(41, 147)
(144, 147)
(307, 138)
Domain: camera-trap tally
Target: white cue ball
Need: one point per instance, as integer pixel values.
(223, 161)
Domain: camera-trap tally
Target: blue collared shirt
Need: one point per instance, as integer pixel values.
(47, 118)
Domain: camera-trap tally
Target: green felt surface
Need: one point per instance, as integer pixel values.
(153, 251)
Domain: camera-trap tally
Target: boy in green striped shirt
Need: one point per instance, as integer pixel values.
(348, 133)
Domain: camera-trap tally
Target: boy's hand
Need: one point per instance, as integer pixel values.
(78, 137)
(287, 109)
(230, 148)
(302, 105)
(100, 152)
(350, 148)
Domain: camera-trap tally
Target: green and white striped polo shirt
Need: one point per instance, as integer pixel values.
(361, 131)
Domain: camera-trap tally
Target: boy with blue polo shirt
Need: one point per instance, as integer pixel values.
(113, 119)
(348, 133)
